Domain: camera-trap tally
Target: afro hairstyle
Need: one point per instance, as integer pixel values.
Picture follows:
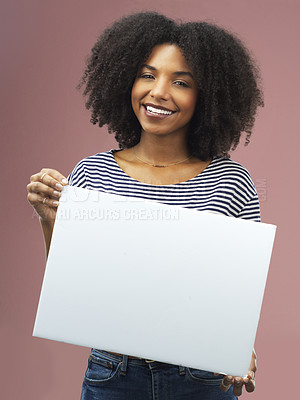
(227, 77)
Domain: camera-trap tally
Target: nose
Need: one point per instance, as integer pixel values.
(160, 90)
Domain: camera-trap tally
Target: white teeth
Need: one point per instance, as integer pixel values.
(157, 111)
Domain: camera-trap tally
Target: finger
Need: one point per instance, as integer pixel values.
(55, 174)
(49, 202)
(35, 199)
(42, 177)
(226, 383)
(253, 364)
(251, 375)
(250, 386)
(45, 173)
(52, 178)
(38, 187)
(237, 386)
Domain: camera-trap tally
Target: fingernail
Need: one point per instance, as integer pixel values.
(58, 186)
(56, 194)
(55, 203)
(64, 181)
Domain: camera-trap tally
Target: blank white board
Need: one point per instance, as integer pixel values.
(154, 281)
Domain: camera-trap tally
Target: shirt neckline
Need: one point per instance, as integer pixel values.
(112, 151)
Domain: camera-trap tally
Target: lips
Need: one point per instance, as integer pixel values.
(158, 109)
(156, 115)
(157, 112)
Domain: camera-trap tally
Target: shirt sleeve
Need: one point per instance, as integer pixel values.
(249, 206)
(245, 201)
(78, 176)
(251, 210)
(237, 192)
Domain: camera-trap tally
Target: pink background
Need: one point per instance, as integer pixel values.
(44, 124)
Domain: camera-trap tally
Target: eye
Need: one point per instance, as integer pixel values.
(147, 76)
(181, 83)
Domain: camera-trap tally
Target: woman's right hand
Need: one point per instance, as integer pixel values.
(44, 191)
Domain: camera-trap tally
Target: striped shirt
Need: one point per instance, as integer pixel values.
(224, 186)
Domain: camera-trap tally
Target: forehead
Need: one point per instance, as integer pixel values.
(168, 56)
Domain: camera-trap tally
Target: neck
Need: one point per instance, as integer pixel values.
(162, 150)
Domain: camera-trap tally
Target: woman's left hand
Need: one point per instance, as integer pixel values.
(239, 382)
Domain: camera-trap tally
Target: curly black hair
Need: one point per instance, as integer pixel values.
(227, 77)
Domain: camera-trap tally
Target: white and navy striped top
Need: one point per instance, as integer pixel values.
(224, 187)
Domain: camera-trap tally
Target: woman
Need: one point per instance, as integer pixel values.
(177, 97)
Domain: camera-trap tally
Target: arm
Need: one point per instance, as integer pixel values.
(44, 191)
(47, 228)
(250, 210)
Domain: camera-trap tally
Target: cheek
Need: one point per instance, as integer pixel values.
(137, 93)
(190, 104)
(134, 98)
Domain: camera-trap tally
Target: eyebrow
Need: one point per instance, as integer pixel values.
(177, 73)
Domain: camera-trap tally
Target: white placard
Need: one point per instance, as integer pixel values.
(154, 281)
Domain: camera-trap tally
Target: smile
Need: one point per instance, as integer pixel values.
(157, 112)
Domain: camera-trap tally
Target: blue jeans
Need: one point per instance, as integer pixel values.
(110, 377)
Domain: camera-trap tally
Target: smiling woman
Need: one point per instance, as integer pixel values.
(177, 97)
(222, 70)
(164, 94)
(164, 97)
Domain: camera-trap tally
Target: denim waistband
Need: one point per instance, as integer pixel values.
(125, 360)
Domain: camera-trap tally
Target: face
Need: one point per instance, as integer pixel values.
(164, 94)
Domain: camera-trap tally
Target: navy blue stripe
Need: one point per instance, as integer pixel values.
(225, 186)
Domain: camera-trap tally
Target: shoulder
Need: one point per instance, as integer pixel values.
(92, 162)
(229, 170)
(97, 158)
(230, 165)
(234, 186)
